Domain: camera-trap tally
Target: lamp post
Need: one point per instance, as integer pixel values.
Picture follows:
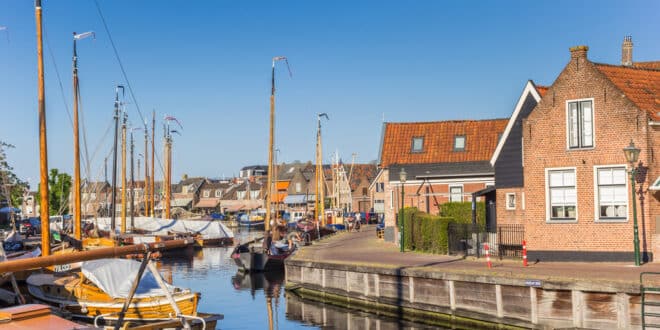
(632, 154)
(402, 178)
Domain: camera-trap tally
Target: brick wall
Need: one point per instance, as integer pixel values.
(515, 216)
(616, 122)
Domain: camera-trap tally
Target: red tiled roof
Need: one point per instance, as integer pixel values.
(480, 143)
(641, 86)
(542, 90)
(647, 65)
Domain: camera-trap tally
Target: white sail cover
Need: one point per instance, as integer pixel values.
(209, 229)
(115, 277)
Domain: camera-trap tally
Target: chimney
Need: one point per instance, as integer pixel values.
(579, 52)
(626, 51)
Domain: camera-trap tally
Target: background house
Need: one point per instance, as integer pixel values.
(445, 161)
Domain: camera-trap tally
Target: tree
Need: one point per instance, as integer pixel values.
(59, 187)
(12, 188)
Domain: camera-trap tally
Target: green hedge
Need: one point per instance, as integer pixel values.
(425, 232)
(462, 212)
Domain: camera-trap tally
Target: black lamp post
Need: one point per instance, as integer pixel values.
(402, 178)
(632, 154)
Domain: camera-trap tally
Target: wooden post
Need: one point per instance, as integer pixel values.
(43, 148)
(163, 286)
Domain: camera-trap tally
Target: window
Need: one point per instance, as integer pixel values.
(365, 191)
(298, 187)
(418, 144)
(254, 194)
(380, 186)
(612, 193)
(218, 193)
(456, 194)
(459, 143)
(207, 193)
(240, 195)
(510, 201)
(562, 194)
(580, 124)
(392, 199)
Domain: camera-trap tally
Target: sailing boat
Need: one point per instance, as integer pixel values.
(259, 258)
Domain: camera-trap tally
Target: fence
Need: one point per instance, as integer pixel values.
(468, 240)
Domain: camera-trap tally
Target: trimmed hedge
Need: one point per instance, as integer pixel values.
(425, 232)
(461, 212)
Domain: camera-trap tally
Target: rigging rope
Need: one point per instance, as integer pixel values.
(59, 79)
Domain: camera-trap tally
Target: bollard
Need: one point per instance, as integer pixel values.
(490, 265)
(524, 253)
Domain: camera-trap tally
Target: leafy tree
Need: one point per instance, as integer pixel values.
(59, 188)
(12, 188)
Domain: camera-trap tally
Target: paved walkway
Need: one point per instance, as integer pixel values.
(364, 249)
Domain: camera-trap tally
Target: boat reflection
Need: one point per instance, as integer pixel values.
(270, 282)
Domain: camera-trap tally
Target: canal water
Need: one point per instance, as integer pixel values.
(258, 301)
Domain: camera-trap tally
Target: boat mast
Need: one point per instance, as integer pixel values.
(168, 170)
(43, 150)
(153, 173)
(271, 142)
(123, 174)
(113, 201)
(77, 232)
(320, 199)
(146, 170)
(132, 182)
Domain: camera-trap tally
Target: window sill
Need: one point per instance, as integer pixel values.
(611, 220)
(510, 209)
(580, 148)
(560, 221)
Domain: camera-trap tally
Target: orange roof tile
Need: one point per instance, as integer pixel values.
(438, 147)
(648, 65)
(641, 86)
(542, 90)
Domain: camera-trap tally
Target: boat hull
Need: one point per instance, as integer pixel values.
(83, 301)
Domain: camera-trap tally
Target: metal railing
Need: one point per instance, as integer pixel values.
(470, 240)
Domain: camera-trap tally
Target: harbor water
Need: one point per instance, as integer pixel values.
(258, 301)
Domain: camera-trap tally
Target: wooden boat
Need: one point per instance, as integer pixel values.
(254, 220)
(102, 288)
(33, 317)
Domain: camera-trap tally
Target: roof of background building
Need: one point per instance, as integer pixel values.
(640, 84)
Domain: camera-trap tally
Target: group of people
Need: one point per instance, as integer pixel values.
(280, 241)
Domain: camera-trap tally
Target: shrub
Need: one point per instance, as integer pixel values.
(425, 232)
(461, 212)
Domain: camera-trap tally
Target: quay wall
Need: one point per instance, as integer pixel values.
(496, 298)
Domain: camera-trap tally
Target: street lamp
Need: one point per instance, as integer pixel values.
(402, 178)
(632, 154)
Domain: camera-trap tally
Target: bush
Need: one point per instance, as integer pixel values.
(461, 212)
(425, 232)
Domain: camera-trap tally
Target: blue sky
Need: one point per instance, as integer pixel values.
(208, 64)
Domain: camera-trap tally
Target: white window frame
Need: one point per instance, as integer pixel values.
(522, 200)
(597, 195)
(207, 193)
(298, 187)
(421, 147)
(456, 186)
(458, 136)
(506, 201)
(593, 125)
(392, 199)
(548, 207)
(218, 193)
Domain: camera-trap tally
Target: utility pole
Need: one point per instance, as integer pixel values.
(43, 149)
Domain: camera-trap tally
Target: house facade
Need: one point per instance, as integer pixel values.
(445, 161)
(576, 178)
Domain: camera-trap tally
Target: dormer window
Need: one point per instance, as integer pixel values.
(218, 193)
(418, 144)
(459, 143)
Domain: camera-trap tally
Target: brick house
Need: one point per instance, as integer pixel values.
(210, 195)
(445, 161)
(509, 194)
(575, 173)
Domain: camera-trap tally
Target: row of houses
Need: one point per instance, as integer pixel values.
(556, 166)
(346, 187)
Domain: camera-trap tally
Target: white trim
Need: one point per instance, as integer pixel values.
(391, 199)
(547, 196)
(529, 88)
(488, 180)
(454, 186)
(373, 182)
(597, 202)
(656, 185)
(593, 124)
(506, 201)
(523, 200)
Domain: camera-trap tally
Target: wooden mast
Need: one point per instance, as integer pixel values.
(132, 214)
(43, 150)
(320, 181)
(77, 233)
(123, 174)
(153, 173)
(270, 150)
(147, 184)
(168, 173)
(113, 202)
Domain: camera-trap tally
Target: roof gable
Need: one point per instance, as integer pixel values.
(530, 89)
(640, 85)
(438, 146)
